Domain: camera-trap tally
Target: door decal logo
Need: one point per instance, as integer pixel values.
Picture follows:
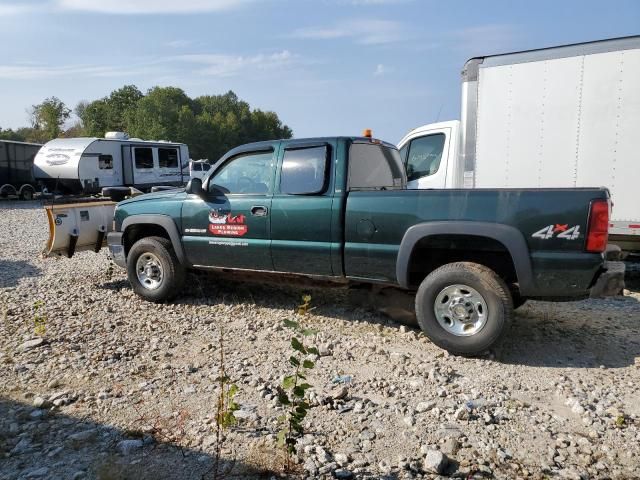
(227, 225)
(562, 231)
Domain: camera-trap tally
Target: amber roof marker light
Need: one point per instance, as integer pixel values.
(367, 133)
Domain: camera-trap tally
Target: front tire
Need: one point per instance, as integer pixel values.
(464, 308)
(154, 271)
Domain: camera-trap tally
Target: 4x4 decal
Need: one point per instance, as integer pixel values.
(558, 231)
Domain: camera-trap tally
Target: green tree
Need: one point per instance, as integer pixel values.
(94, 117)
(121, 103)
(10, 134)
(49, 117)
(158, 114)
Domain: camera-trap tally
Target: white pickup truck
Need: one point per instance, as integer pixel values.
(565, 116)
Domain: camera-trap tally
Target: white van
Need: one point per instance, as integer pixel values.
(565, 116)
(86, 165)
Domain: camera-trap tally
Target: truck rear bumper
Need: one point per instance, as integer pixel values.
(114, 241)
(610, 281)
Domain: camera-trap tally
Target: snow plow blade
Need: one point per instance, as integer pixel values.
(74, 227)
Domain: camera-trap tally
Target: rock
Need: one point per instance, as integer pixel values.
(425, 406)
(341, 459)
(435, 461)
(325, 349)
(40, 402)
(409, 420)
(367, 434)
(442, 392)
(343, 473)
(339, 393)
(55, 383)
(450, 446)
(31, 344)
(322, 455)
(81, 439)
(22, 446)
(37, 473)
(127, 447)
(310, 467)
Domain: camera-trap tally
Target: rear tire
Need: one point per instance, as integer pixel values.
(27, 193)
(154, 270)
(464, 308)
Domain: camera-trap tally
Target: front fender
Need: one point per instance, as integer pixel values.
(164, 221)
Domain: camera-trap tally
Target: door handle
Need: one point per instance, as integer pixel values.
(259, 211)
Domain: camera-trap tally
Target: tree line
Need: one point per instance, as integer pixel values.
(209, 124)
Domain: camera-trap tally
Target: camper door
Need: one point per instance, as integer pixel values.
(169, 164)
(145, 166)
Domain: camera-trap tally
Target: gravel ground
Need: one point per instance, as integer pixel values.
(117, 388)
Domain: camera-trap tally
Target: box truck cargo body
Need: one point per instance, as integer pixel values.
(16, 169)
(565, 116)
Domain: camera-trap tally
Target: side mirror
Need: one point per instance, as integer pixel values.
(195, 187)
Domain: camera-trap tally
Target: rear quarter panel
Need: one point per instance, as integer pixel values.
(377, 221)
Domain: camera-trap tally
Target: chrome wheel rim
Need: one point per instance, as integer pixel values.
(149, 271)
(461, 310)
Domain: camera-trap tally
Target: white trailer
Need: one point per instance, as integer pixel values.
(86, 165)
(565, 116)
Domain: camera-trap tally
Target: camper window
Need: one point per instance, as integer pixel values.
(168, 158)
(105, 162)
(144, 158)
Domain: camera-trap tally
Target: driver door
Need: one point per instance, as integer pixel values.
(230, 227)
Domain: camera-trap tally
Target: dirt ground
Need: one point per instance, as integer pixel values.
(96, 383)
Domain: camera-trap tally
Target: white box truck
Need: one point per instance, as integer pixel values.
(566, 116)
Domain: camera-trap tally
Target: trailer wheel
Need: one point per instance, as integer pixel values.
(154, 270)
(464, 308)
(27, 192)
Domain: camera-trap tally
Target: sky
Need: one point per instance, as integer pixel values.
(326, 67)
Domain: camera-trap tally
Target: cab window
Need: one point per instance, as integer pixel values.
(375, 167)
(248, 173)
(424, 155)
(304, 171)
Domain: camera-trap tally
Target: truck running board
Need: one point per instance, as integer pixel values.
(74, 227)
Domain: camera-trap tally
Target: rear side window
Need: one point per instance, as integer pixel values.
(167, 158)
(304, 171)
(144, 158)
(374, 167)
(424, 156)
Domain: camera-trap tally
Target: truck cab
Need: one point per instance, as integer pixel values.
(430, 156)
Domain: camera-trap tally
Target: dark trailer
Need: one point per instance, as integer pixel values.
(16, 169)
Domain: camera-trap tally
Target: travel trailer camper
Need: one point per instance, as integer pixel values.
(86, 165)
(565, 116)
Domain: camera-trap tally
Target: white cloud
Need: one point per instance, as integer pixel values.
(15, 9)
(150, 6)
(221, 65)
(35, 71)
(179, 43)
(215, 65)
(363, 31)
(381, 70)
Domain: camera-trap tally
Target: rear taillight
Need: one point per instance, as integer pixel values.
(598, 231)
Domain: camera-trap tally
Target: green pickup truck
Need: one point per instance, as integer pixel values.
(338, 208)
